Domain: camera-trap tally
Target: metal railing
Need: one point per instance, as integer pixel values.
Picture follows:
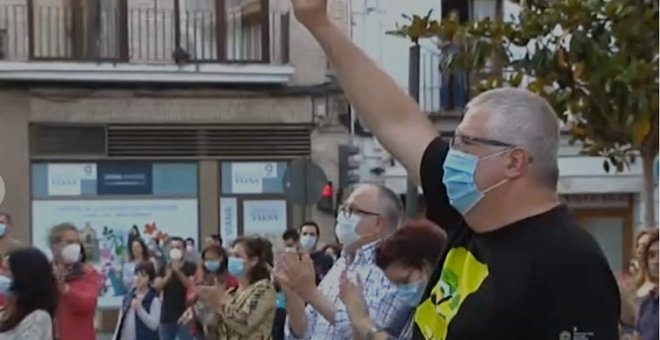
(120, 31)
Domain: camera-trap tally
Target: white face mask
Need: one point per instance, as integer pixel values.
(190, 248)
(345, 229)
(71, 253)
(176, 254)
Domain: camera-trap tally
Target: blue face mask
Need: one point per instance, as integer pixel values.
(212, 266)
(459, 170)
(3, 229)
(411, 293)
(236, 266)
(308, 242)
(5, 285)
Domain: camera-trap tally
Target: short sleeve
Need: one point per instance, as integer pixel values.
(438, 208)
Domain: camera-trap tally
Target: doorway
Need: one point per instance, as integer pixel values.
(612, 229)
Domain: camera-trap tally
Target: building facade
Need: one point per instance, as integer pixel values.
(171, 116)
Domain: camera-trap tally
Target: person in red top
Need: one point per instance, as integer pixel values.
(79, 285)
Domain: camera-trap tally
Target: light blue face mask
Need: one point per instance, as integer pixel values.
(411, 293)
(308, 242)
(212, 266)
(3, 229)
(236, 266)
(5, 285)
(459, 170)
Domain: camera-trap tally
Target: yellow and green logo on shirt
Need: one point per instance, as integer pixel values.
(462, 274)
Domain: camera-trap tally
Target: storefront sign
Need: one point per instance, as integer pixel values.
(228, 220)
(247, 177)
(104, 227)
(68, 179)
(124, 179)
(264, 217)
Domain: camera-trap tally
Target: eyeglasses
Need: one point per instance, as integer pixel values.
(348, 211)
(468, 140)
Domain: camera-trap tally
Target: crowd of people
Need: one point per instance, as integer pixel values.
(499, 257)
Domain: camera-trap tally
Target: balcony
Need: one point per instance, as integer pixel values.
(201, 41)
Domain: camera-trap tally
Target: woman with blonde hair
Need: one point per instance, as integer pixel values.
(78, 284)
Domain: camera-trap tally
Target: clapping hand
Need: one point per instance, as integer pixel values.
(212, 296)
(136, 303)
(296, 272)
(350, 294)
(186, 316)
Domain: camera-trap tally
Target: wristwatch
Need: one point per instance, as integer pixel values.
(371, 333)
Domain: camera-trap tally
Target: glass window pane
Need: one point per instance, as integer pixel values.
(608, 232)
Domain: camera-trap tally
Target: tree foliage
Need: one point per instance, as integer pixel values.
(596, 61)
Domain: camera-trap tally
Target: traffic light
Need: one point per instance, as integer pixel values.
(326, 203)
(349, 164)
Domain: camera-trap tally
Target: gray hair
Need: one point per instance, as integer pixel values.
(524, 119)
(391, 205)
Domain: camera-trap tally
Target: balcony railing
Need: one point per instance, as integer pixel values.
(139, 31)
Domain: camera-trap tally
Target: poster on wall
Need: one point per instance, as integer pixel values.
(228, 220)
(104, 229)
(247, 177)
(267, 218)
(69, 179)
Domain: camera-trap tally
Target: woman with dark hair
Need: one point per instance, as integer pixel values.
(31, 290)
(139, 316)
(214, 267)
(245, 312)
(138, 252)
(407, 258)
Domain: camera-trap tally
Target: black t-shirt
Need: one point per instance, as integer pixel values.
(322, 264)
(539, 278)
(174, 294)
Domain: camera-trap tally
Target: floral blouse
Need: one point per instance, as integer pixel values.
(247, 314)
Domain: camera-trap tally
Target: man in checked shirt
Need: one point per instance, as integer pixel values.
(370, 214)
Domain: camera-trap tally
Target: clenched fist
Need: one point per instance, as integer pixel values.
(311, 12)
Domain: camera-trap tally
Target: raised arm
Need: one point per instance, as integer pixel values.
(390, 113)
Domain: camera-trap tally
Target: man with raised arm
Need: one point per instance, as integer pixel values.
(516, 266)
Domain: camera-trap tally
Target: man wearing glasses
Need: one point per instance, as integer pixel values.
(370, 214)
(516, 266)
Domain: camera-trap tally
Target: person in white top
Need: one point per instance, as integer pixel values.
(30, 288)
(140, 313)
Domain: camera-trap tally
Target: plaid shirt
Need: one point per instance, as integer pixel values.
(380, 295)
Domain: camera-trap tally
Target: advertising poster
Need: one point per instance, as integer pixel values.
(104, 227)
(228, 220)
(264, 217)
(248, 177)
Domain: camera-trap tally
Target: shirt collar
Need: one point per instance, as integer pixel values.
(366, 253)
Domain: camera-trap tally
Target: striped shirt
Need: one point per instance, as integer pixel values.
(379, 294)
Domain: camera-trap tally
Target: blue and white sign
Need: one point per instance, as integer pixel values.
(267, 218)
(104, 226)
(124, 179)
(248, 177)
(228, 220)
(68, 179)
